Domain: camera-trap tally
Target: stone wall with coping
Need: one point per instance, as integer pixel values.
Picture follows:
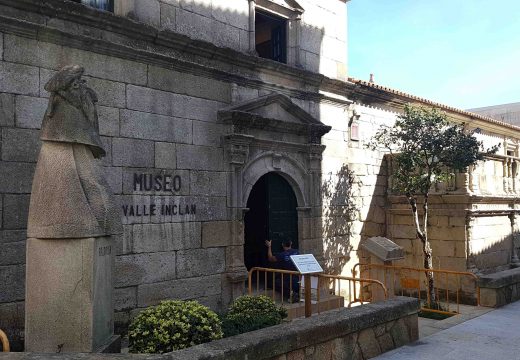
(346, 334)
(500, 288)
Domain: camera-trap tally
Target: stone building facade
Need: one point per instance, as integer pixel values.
(208, 144)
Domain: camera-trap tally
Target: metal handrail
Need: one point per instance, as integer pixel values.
(359, 280)
(356, 269)
(5, 341)
(352, 284)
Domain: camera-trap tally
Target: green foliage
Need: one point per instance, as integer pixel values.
(426, 148)
(173, 325)
(248, 313)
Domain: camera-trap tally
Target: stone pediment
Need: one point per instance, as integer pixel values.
(275, 113)
(281, 5)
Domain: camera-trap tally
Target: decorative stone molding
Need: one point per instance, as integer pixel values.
(254, 148)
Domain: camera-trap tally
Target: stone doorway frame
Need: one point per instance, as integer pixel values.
(251, 154)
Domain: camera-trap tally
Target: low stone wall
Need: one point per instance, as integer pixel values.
(357, 333)
(500, 288)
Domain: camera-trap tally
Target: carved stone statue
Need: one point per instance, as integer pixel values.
(69, 304)
(70, 197)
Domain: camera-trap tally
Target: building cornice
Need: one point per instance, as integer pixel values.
(56, 21)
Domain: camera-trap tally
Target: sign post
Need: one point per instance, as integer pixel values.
(307, 265)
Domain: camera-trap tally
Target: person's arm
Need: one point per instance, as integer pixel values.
(270, 255)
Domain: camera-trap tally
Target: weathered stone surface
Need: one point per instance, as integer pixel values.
(32, 52)
(225, 36)
(144, 268)
(12, 253)
(12, 322)
(216, 233)
(125, 298)
(20, 144)
(155, 101)
(164, 237)
(82, 297)
(237, 18)
(199, 158)
(208, 134)
(8, 236)
(131, 152)
(148, 126)
(112, 68)
(385, 342)
(12, 284)
(368, 343)
(195, 262)
(194, 25)
(208, 183)
(6, 109)
(298, 355)
(400, 333)
(202, 109)
(114, 176)
(16, 209)
(182, 83)
(19, 79)
(165, 155)
(30, 111)
(151, 294)
(107, 146)
(108, 121)
(16, 177)
(109, 93)
(148, 12)
(168, 16)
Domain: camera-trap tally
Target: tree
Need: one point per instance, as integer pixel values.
(425, 148)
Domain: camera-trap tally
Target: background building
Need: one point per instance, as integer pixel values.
(219, 119)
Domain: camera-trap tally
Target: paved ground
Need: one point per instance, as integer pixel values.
(494, 335)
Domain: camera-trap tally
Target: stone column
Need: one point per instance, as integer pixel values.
(473, 179)
(515, 238)
(252, 19)
(470, 260)
(237, 152)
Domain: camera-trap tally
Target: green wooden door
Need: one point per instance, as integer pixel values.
(272, 215)
(283, 219)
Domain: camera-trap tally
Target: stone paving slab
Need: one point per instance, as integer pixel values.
(493, 335)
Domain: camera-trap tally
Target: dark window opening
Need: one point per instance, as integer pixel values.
(270, 37)
(107, 5)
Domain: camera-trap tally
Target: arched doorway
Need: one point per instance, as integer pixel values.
(272, 215)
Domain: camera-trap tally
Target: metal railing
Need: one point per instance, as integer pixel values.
(409, 281)
(271, 281)
(4, 341)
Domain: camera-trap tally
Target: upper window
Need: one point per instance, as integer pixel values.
(271, 36)
(107, 5)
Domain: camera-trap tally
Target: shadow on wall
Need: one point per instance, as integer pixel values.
(339, 211)
(374, 194)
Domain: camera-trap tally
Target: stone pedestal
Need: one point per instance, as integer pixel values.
(69, 295)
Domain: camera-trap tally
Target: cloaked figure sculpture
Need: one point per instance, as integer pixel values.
(73, 219)
(70, 197)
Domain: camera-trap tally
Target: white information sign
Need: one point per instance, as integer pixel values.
(306, 263)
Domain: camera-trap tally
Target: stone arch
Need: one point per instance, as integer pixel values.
(283, 165)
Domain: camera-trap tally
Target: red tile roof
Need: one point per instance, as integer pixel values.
(431, 103)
